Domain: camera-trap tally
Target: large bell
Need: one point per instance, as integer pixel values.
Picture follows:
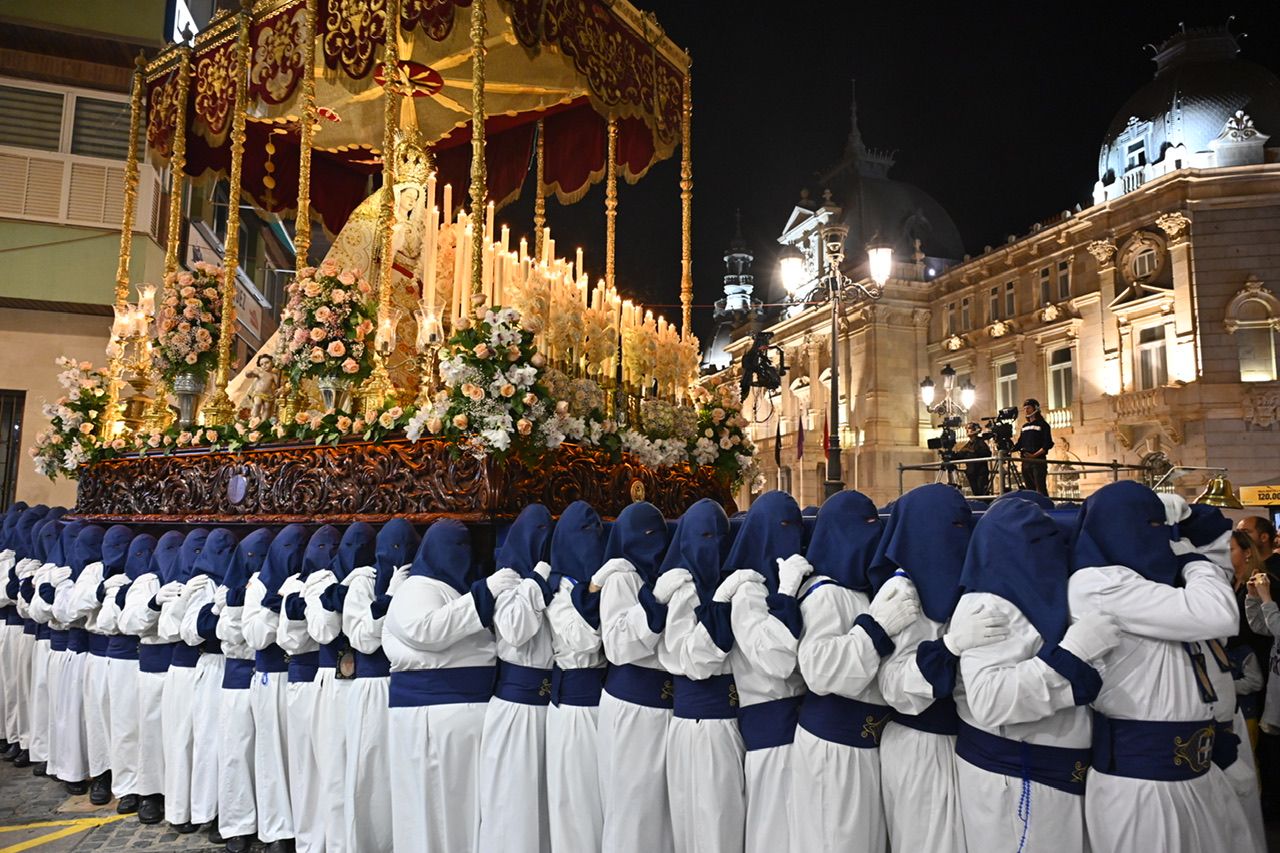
(1220, 493)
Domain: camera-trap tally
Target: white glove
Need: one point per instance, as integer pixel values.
(318, 583)
(611, 567)
(115, 581)
(895, 609)
(220, 599)
(1175, 508)
(1091, 637)
(169, 592)
(58, 575)
(670, 581)
(974, 630)
(543, 569)
(360, 573)
(729, 586)
(791, 573)
(397, 578)
(501, 581)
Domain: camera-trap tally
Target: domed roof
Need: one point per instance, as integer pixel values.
(1199, 85)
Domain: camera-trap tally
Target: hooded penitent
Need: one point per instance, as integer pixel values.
(926, 537)
(773, 529)
(167, 558)
(845, 539)
(357, 548)
(640, 536)
(699, 546)
(87, 549)
(141, 548)
(577, 546)
(396, 545)
(115, 549)
(1124, 524)
(64, 548)
(192, 547)
(215, 557)
(1027, 495)
(528, 540)
(321, 548)
(284, 559)
(445, 554)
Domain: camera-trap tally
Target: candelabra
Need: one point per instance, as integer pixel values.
(131, 349)
(427, 345)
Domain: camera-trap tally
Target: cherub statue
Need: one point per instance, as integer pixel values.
(262, 393)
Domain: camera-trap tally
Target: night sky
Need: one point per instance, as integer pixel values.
(995, 109)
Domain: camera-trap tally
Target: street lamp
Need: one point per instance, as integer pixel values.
(948, 407)
(838, 289)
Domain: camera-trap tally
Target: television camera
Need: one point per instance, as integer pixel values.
(758, 371)
(999, 429)
(945, 443)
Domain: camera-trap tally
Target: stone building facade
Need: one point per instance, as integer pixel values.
(1145, 324)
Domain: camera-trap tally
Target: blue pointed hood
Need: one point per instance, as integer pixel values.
(11, 516)
(284, 557)
(639, 535)
(1204, 526)
(1027, 495)
(700, 545)
(528, 540)
(66, 545)
(249, 557)
(322, 546)
(577, 546)
(445, 554)
(1123, 524)
(845, 538)
(141, 550)
(87, 549)
(192, 546)
(357, 548)
(927, 537)
(115, 549)
(1020, 554)
(167, 558)
(397, 543)
(773, 529)
(215, 557)
(24, 545)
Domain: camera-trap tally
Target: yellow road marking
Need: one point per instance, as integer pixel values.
(69, 827)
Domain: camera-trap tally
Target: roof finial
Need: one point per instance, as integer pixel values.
(855, 145)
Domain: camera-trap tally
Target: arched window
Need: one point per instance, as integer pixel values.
(1253, 319)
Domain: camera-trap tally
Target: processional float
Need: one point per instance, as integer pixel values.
(427, 364)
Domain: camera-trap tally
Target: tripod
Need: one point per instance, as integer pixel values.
(947, 473)
(1010, 473)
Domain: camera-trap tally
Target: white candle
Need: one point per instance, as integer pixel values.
(429, 257)
(431, 190)
(506, 239)
(524, 249)
(578, 261)
(546, 245)
(447, 207)
(488, 223)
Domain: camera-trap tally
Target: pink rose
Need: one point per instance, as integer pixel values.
(317, 334)
(365, 288)
(338, 296)
(337, 349)
(524, 426)
(317, 355)
(530, 398)
(434, 425)
(507, 390)
(460, 421)
(311, 290)
(191, 358)
(323, 313)
(538, 360)
(344, 423)
(347, 277)
(482, 351)
(154, 441)
(350, 366)
(562, 407)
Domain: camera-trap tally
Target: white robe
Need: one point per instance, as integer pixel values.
(435, 796)
(836, 787)
(1005, 690)
(69, 758)
(177, 709)
(1149, 677)
(268, 696)
(206, 697)
(237, 737)
(917, 769)
(84, 607)
(140, 620)
(38, 699)
(22, 660)
(9, 635)
(573, 755)
(329, 726)
(303, 703)
(1241, 810)
(632, 737)
(366, 785)
(706, 779)
(122, 697)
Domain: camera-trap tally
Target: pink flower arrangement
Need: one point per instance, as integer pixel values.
(188, 322)
(325, 324)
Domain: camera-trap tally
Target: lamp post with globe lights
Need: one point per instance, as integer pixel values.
(839, 290)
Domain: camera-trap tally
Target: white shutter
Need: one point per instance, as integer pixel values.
(87, 196)
(30, 186)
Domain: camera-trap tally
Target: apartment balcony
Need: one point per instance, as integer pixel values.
(67, 189)
(1166, 407)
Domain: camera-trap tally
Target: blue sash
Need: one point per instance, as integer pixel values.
(1160, 751)
(237, 674)
(184, 656)
(11, 615)
(640, 685)
(154, 657)
(329, 653)
(211, 647)
(271, 659)
(43, 632)
(98, 644)
(714, 698)
(938, 719)
(1056, 766)
(769, 724)
(58, 640)
(524, 685)
(424, 687)
(303, 667)
(1226, 745)
(122, 647)
(577, 686)
(78, 640)
(29, 627)
(844, 721)
(375, 665)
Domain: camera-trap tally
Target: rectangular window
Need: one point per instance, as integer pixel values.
(949, 320)
(1010, 305)
(1256, 347)
(1061, 378)
(11, 403)
(1144, 263)
(784, 479)
(965, 315)
(1007, 384)
(100, 128)
(1064, 280)
(31, 118)
(1135, 155)
(1153, 369)
(994, 305)
(1046, 288)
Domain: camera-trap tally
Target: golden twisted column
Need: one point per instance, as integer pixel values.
(378, 386)
(306, 130)
(115, 352)
(479, 178)
(686, 204)
(611, 203)
(219, 410)
(539, 199)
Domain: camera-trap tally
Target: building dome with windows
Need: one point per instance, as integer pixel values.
(1205, 107)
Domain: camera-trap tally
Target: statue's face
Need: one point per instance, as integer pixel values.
(409, 197)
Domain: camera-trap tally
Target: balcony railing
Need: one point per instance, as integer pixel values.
(1059, 418)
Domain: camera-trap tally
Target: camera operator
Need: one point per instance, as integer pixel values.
(977, 473)
(1034, 442)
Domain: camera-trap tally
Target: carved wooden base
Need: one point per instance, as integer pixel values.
(363, 481)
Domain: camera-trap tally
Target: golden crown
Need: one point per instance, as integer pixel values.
(413, 161)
